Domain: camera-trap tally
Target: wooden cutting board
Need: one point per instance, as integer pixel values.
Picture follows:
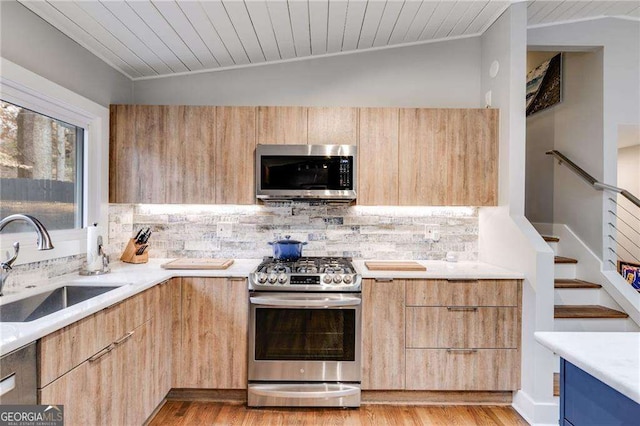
(394, 266)
(189, 263)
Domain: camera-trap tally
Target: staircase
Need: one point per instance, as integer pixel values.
(581, 305)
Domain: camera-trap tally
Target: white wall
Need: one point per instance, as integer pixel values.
(620, 40)
(629, 179)
(445, 74)
(29, 41)
(506, 238)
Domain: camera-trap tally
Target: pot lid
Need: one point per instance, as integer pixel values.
(288, 240)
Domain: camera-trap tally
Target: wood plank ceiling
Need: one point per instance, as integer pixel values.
(150, 38)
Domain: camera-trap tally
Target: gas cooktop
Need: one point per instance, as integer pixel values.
(335, 274)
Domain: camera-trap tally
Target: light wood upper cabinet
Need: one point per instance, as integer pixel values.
(198, 174)
(214, 328)
(234, 159)
(472, 160)
(378, 157)
(448, 157)
(333, 126)
(282, 125)
(162, 154)
(423, 155)
(383, 334)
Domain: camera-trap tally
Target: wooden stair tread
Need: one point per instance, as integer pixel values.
(562, 259)
(586, 311)
(556, 384)
(550, 239)
(575, 284)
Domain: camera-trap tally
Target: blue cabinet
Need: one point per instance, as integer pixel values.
(586, 401)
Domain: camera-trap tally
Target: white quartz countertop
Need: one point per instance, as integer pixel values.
(445, 270)
(611, 357)
(133, 279)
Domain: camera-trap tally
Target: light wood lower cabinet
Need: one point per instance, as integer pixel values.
(213, 351)
(463, 369)
(462, 327)
(439, 335)
(383, 330)
(122, 381)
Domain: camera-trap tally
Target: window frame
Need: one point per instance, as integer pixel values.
(29, 90)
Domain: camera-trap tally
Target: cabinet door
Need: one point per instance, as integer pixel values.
(333, 126)
(214, 333)
(378, 156)
(199, 152)
(282, 125)
(87, 392)
(462, 327)
(463, 369)
(472, 169)
(423, 153)
(235, 155)
(383, 335)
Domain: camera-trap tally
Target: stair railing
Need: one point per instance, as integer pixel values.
(624, 222)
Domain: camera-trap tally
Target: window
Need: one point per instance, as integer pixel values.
(40, 168)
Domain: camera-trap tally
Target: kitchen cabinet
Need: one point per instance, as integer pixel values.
(333, 126)
(162, 154)
(235, 155)
(378, 157)
(448, 157)
(282, 125)
(463, 335)
(129, 370)
(213, 351)
(441, 335)
(383, 334)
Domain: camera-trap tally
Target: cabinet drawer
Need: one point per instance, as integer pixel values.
(463, 370)
(462, 327)
(66, 348)
(462, 292)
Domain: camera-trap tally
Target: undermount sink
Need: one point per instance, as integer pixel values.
(39, 305)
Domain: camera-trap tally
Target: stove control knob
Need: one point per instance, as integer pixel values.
(262, 278)
(327, 279)
(348, 279)
(282, 278)
(273, 278)
(337, 279)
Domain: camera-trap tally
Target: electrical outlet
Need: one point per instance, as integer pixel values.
(224, 229)
(432, 232)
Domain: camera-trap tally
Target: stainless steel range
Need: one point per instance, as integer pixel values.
(304, 333)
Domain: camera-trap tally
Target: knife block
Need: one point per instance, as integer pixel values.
(129, 255)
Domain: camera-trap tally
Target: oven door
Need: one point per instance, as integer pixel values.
(304, 337)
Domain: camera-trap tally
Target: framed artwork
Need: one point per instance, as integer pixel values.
(544, 85)
(630, 272)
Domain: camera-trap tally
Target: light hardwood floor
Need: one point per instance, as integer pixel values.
(216, 413)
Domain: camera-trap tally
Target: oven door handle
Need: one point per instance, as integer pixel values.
(264, 391)
(320, 302)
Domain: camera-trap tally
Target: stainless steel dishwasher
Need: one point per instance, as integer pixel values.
(18, 376)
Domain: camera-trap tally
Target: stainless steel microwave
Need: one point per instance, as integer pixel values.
(306, 172)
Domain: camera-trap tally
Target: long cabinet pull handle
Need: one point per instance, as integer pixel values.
(237, 278)
(461, 351)
(102, 353)
(462, 308)
(123, 338)
(464, 280)
(383, 280)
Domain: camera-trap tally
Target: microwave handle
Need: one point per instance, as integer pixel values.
(305, 303)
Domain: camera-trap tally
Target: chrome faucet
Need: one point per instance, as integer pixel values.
(43, 242)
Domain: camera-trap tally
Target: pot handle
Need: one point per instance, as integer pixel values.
(304, 243)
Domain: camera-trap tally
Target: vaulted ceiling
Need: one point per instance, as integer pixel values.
(144, 38)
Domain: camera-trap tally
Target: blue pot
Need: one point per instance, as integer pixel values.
(287, 249)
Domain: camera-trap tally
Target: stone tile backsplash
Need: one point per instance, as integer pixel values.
(23, 276)
(355, 231)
